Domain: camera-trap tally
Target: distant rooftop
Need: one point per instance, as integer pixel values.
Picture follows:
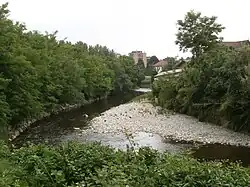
(236, 44)
(170, 72)
(161, 63)
(136, 52)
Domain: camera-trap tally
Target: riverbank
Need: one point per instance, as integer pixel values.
(14, 133)
(53, 128)
(142, 116)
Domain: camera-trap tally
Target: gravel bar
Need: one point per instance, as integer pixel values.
(144, 117)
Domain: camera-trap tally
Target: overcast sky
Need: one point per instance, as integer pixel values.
(126, 25)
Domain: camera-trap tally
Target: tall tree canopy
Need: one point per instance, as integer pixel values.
(198, 33)
(215, 84)
(172, 61)
(38, 73)
(153, 60)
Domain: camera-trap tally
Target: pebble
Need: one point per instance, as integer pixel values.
(144, 117)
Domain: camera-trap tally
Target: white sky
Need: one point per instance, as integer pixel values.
(126, 25)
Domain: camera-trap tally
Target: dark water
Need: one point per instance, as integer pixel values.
(54, 128)
(213, 152)
(69, 126)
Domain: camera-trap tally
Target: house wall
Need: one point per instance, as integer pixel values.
(136, 55)
(158, 69)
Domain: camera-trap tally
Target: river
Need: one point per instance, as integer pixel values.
(52, 130)
(68, 125)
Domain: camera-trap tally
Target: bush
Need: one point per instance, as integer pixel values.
(214, 87)
(95, 165)
(39, 73)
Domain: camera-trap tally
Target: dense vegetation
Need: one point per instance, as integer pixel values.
(96, 165)
(38, 73)
(215, 83)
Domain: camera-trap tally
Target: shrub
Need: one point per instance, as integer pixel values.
(214, 87)
(75, 164)
(39, 73)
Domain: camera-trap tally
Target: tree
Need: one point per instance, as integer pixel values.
(215, 85)
(172, 61)
(140, 71)
(4, 110)
(153, 60)
(198, 33)
(39, 73)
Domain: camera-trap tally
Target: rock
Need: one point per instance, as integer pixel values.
(177, 126)
(85, 115)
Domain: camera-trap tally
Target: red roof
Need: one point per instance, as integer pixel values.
(236, 44)
(161, 63)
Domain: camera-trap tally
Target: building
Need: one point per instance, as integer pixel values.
(159, 66)
(237, 44)
(137, 55)
(148, 58)
(182, 63)
(175, 72)
(177, 68)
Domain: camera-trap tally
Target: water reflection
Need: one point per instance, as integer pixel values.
(223, 152)
(68, 125)
(120, 141)
(53, 128)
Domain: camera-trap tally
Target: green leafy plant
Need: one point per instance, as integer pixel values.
(39, 73)
(74, 164)
(214, 85)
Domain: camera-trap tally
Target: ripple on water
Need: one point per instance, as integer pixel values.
(120, 141)
(209, 152)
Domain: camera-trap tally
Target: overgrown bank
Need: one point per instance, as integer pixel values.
(74, 164)
(39, 73)
(215, 83)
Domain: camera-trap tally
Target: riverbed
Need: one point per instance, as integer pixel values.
(144, 117)
(119, 123)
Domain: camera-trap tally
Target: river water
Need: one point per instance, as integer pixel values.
(57, 127)
(69, 125)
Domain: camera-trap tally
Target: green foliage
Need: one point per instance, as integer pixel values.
(198, 34)
(166, 92)
(215, 87)
(172, 61)
(215, 84)
(38, 73)
(153, 60)
(150, 70)
(4, 109)
(140, 71)
(73, 164)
